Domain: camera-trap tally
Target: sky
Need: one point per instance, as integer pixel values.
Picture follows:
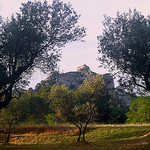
(92, 14)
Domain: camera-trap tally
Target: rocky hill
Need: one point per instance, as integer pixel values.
(74, 79)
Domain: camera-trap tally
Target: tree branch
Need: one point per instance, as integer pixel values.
(134, 80)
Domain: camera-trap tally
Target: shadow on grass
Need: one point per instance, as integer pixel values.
(113, 145)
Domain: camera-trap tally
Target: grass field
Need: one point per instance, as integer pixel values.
(103, 137)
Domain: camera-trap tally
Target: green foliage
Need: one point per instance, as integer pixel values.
(50, 119)
(35, 110)
(32, 39)
(139, 110)
(35, 105)
(79, 103)
(61, 102)
(93, 91)
(11, 114)
(124, 46)
(78, 107)
(117, 115)
(43, 92)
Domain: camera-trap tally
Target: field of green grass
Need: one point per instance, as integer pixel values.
(103, 137)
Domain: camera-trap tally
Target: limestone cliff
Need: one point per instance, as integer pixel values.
(74, 79)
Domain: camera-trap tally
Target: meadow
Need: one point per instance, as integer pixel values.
(104, 137)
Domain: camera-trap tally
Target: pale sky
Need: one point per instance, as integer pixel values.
(91, 11)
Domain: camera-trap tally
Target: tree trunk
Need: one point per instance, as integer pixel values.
(80, 130)
(83, 137)
(8, 136)
(80, 133)
(85, 127)
(9, 131)
(84, 130)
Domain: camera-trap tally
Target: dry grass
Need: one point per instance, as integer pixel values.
(44, 130)
(120, 125)
(104, 137)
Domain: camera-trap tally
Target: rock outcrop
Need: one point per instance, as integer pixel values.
(122, 96)
(71, 79)
(84, 69)
(74, 79)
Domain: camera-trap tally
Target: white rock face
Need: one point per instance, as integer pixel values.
(84, 69)
(71, 79)
(74, 79)
(109, 81)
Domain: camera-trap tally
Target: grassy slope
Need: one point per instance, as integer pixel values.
(104, 137)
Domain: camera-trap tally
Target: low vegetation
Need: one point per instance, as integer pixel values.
(116, 137)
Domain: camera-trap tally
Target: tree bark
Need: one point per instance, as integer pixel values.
(85, 127)
(9, 131)
(80, 130)
(80, 133)
(8, 136)
(84, 130)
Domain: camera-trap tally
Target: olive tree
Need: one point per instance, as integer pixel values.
(78, 107)
(89, 96)
(124, 47)
(10, 116)
(32, 39)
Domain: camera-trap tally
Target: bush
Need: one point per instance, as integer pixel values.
(50, 119)
(139, 110)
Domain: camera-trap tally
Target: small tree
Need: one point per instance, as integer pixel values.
(78, 107)
(10, 116)
(50, 119)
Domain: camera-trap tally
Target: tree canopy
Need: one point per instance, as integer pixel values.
(32, 39)
(78, 107)
(124, 46)
(139, 110)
